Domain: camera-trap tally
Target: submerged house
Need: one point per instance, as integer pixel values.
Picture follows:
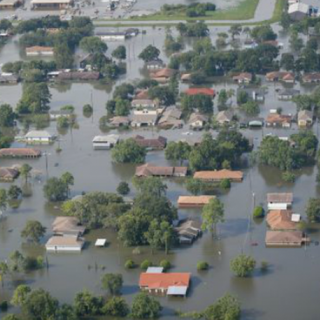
(171, 118)
(163, 75)
(38, 136)
(20, 153)
(205, 91)
(39, 51)
(105, 142)
(64, 243)
(188, 231)
(311, 77)
(8, 78)
(119, 121)
(288, 94)
(244, 77)
(197, 121)
(8, 174)
(224, 117)
(305, 118)
(284, 76)
(279, 201)
(281, 220)
(149, 170)
(170, 284)
(64, 226)
(151, 143)
(155, 64)
(278, 120)
(144, 118)
(218, 175)
(285, 238)
(78, 76)
(194, 201)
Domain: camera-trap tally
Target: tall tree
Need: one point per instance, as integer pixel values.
(33, 231)
(25, 171)
(212, 214)
(7, 116)
(113, 283)
(149, 53)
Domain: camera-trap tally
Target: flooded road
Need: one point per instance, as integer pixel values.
(293, 280)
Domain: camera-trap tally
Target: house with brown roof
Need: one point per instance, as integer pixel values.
(118, 122)
(79, 76)
(285, 238)
(64, 243)
(284, 76)
(311, 77)
(19, 153)
(151, 144)
(188, 230)
(224, 117)
(145, 103)
(63, 226)
(8, 174)
(171, 118)
(279, 201)
(276, 120)
(218, 175)
(39, 51)
(185, 77)
(305, 118)
(194, 201)
(163, 75)
(281, 220)
(144, 118)
(142, 94)
(149, 170)
(243, 77)
(171, 284)
(197, 121)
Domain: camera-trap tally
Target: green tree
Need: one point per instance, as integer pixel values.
(313, 210)
(86, 304)
(7, 116)
(14, 192)
(3, 199)
(35, 98)
(195, 186)
(150, 185)
(87, 110)
(119, 53)
(296, 43)
(123, 188)
(123, 91)
(235, 30)
(68, 179)
(112, 283)
(226, 308)
(149, 53)
(145, 307)
(177, 151)
(10, 317)
(212, 214)
(116, 307)
(16, 261)
(164, 94)
(242, 265)
(4, 269)
(93, 45)
(39, 305)
(258, 212)
(25, 171)
(20, 295)
(251, 108)
(63, 55)
(263, 33)
(199, 101)
(128, 151)
(55, 190)
(33, 231)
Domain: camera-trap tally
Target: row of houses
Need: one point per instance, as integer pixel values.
(283, 224)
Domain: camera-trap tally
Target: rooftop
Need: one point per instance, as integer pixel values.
(164, 280)
(281, 220)
(280, 197)
(219, 175)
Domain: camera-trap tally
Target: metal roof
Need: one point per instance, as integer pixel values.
(154, 270)
(177, 291)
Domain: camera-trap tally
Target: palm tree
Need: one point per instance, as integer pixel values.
(246, 31)
(25, 171)
(3, 271)
(235, 30)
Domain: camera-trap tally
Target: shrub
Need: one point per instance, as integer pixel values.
(202, 265)
(4, 306)
(288, 176)
(87, 109)
(225, 184)
(129, 264)
(165, 264)
(145, 264)
(264, 266)
(258, 212)
(242, 265)
(123, 188)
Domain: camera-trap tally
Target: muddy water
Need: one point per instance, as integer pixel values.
(293, 279)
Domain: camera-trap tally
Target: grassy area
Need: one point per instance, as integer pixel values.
(244, 11)
(280, 5)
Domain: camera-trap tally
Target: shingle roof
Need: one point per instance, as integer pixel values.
(219, 175)
(199, 200)
(280, 220)
(280, 197)
(164, 280)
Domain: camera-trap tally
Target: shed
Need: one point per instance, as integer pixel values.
(100, 242)
(105, 142)
(279, 201)
(155, 270)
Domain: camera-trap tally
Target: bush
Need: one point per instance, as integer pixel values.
(264, 266)
(202, 265)
(129, 264)
(145, 264)
(288, 176)
(165, 264)
(123, 188)
(4, 306)
(225, 184)
(87, 109)
(258, 212)
(242, 265)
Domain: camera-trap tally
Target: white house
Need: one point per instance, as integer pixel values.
(64, 243)
(36, 136)
(279, 201)
(105, 142)
(298, 11)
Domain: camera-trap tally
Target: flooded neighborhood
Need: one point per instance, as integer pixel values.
(158, 163)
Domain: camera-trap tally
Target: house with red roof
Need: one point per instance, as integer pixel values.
(170, 284)
(204, 91)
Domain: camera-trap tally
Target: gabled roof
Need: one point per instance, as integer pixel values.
(298, 7)
(38, 134)
(197, 117)
(218, 175)
(8, 173)
(225, 115)
(159, 142)
(197, 200)
(19, 152)
(284, 237)
(67, 225)
(305, 115)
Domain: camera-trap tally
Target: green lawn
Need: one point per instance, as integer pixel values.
(244, 11)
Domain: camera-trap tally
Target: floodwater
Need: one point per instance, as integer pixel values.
(290, 289)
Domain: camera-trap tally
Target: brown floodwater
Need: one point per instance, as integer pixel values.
(289, 290)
